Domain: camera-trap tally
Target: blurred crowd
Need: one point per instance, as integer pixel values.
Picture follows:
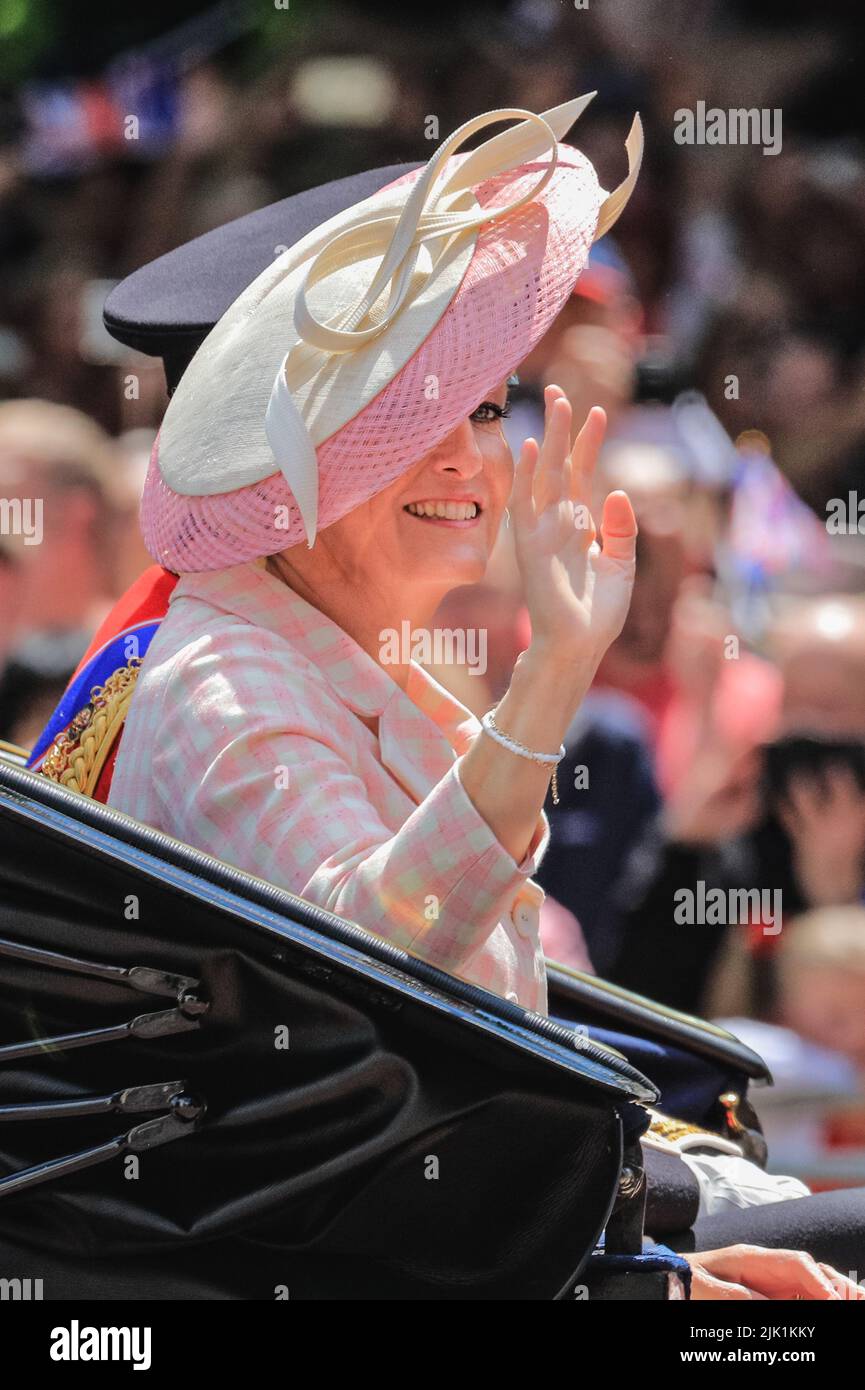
(723, 742)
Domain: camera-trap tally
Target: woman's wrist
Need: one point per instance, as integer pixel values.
(541, 700)
(548, 669)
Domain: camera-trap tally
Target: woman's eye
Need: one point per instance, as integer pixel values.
(488, 411)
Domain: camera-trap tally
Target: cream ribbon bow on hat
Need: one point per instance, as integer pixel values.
(365, 290)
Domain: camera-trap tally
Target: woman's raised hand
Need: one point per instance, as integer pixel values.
(577, 591)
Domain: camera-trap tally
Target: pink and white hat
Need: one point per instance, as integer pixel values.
(363, 345)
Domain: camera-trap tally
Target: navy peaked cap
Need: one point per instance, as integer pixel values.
(167, 308)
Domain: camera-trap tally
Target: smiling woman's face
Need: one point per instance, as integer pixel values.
(437, 524)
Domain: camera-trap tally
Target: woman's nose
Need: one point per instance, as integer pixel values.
(458, 452)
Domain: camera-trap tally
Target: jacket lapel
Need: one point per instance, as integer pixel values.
(421, 731)
(412, 747)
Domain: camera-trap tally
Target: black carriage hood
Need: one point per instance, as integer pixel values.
(345, 1121)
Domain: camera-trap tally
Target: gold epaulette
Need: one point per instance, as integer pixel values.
(77, 756)
(666, 1127)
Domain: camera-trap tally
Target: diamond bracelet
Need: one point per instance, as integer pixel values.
(546, 759)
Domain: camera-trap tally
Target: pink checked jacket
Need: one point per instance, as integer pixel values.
(243, 739)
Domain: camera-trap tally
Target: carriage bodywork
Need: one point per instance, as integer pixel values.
(213, 1090)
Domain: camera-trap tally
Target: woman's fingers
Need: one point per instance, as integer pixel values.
(564, 472)
(549, 477)
(561, 475)
(584, 456)
(619, 528)
(523, 484)
(846, 1287)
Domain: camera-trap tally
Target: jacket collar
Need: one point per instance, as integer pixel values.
(421, 730)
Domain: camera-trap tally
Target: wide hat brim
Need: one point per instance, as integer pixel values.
(360, 419)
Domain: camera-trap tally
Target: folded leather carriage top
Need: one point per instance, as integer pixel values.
(591, 1000)
(211, 1089)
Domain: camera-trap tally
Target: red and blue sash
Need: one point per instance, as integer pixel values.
(125, 634)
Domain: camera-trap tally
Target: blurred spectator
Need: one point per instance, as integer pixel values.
(822, 981)
(608, 798)
(33, 680)
(57, 488)
(814, 1115)
(679, 653)
(58, 367)
(787, 819)
(820, 802)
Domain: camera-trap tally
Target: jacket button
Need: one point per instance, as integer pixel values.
(525, 918)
